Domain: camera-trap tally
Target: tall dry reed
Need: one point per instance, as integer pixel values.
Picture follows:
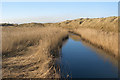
(27, 51)
(103, 39)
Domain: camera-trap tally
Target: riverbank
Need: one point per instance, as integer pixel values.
(79, 59)
(107, 41)
(29, 52)
(100, 32)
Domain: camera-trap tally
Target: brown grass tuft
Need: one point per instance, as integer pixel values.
(27, 51)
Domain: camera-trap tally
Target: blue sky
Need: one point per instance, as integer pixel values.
(60, 0)
(23, 12)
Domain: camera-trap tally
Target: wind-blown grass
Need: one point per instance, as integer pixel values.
(27, 51)
(102, 32)
(105, 40)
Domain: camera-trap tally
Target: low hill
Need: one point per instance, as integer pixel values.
(107, 24)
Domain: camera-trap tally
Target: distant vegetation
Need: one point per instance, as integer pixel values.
(106, 24)
(31, 25)
(8, 24)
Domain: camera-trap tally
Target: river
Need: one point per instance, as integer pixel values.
(81, 60)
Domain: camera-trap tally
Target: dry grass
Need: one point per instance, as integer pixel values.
(27, 51)
(105, 40)
(107, 24)
(102, 32)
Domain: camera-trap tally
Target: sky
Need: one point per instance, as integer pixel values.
(60, 0)
(44, 12)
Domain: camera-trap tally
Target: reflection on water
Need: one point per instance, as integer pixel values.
(81, 60)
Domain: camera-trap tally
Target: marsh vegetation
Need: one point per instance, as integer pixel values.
(29, 50)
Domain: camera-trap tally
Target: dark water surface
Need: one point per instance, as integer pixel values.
(79, 60)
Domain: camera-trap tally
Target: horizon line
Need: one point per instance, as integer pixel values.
(57, 21)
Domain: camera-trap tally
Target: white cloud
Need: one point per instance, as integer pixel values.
(36, 19)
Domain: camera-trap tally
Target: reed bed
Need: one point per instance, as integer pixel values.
(103, 39)
(101, 32)
(27, 51)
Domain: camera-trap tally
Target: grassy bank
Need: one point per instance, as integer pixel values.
(101, 32)
(106, 24)
(98, 51)
(107, 41)
(28, 51)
